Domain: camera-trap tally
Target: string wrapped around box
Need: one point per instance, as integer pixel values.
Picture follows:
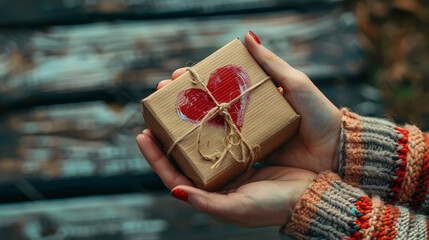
(233, 137)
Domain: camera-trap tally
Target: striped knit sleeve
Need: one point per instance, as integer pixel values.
(332, 209)
(384, 159)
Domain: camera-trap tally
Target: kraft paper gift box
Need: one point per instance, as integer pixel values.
(211, 138)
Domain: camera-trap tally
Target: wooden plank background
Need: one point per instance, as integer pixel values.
(58, 61)
(118, 217)
(72, 73)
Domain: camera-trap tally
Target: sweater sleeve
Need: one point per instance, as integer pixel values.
(384, 159)
(332, 209)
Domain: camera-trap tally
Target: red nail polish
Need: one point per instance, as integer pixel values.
(180, 194)
(255, 37)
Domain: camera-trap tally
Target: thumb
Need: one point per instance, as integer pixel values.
(290, 79)
(217, 205)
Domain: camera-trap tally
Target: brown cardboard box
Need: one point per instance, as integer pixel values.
(263, 116)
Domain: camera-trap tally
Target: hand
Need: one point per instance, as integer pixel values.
(264, 197)
(315, 146)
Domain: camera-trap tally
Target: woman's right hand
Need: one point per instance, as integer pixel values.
(315, 146)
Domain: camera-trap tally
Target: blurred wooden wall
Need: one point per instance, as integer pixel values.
(72, 73)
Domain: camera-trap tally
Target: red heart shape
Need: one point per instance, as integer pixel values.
(225, 84)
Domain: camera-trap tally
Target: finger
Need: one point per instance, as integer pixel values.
(159, 162)
(158, 144)
(222, 207)
(296, 85)
(163, 83)
(276, 67)
(177, 73)
(290, 79)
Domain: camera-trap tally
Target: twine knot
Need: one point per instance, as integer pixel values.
(234, 140)
(223, 108)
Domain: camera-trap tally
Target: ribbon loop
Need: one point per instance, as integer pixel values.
(234, 140)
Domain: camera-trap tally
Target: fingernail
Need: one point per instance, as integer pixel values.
(255, 37)
(180, 194)
(157, 86)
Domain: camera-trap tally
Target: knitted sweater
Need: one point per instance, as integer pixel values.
(383, 177)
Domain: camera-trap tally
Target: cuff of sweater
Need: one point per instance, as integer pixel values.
(327, 209)
(382, 158)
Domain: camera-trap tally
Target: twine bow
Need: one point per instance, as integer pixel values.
(233, 137)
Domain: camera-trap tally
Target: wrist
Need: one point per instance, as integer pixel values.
(337, 144)
(290, 200)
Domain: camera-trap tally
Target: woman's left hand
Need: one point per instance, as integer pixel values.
(257, 198)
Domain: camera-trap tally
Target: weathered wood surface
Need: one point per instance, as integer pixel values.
(42, 147)
(71, 141)
(29, 12)
(124, 58)
(118, 217)
(88, 148)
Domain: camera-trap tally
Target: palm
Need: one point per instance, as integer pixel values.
(316, 142)
(266, 196)
(256, 198)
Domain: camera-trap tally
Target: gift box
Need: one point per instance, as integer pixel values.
(220, 117)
